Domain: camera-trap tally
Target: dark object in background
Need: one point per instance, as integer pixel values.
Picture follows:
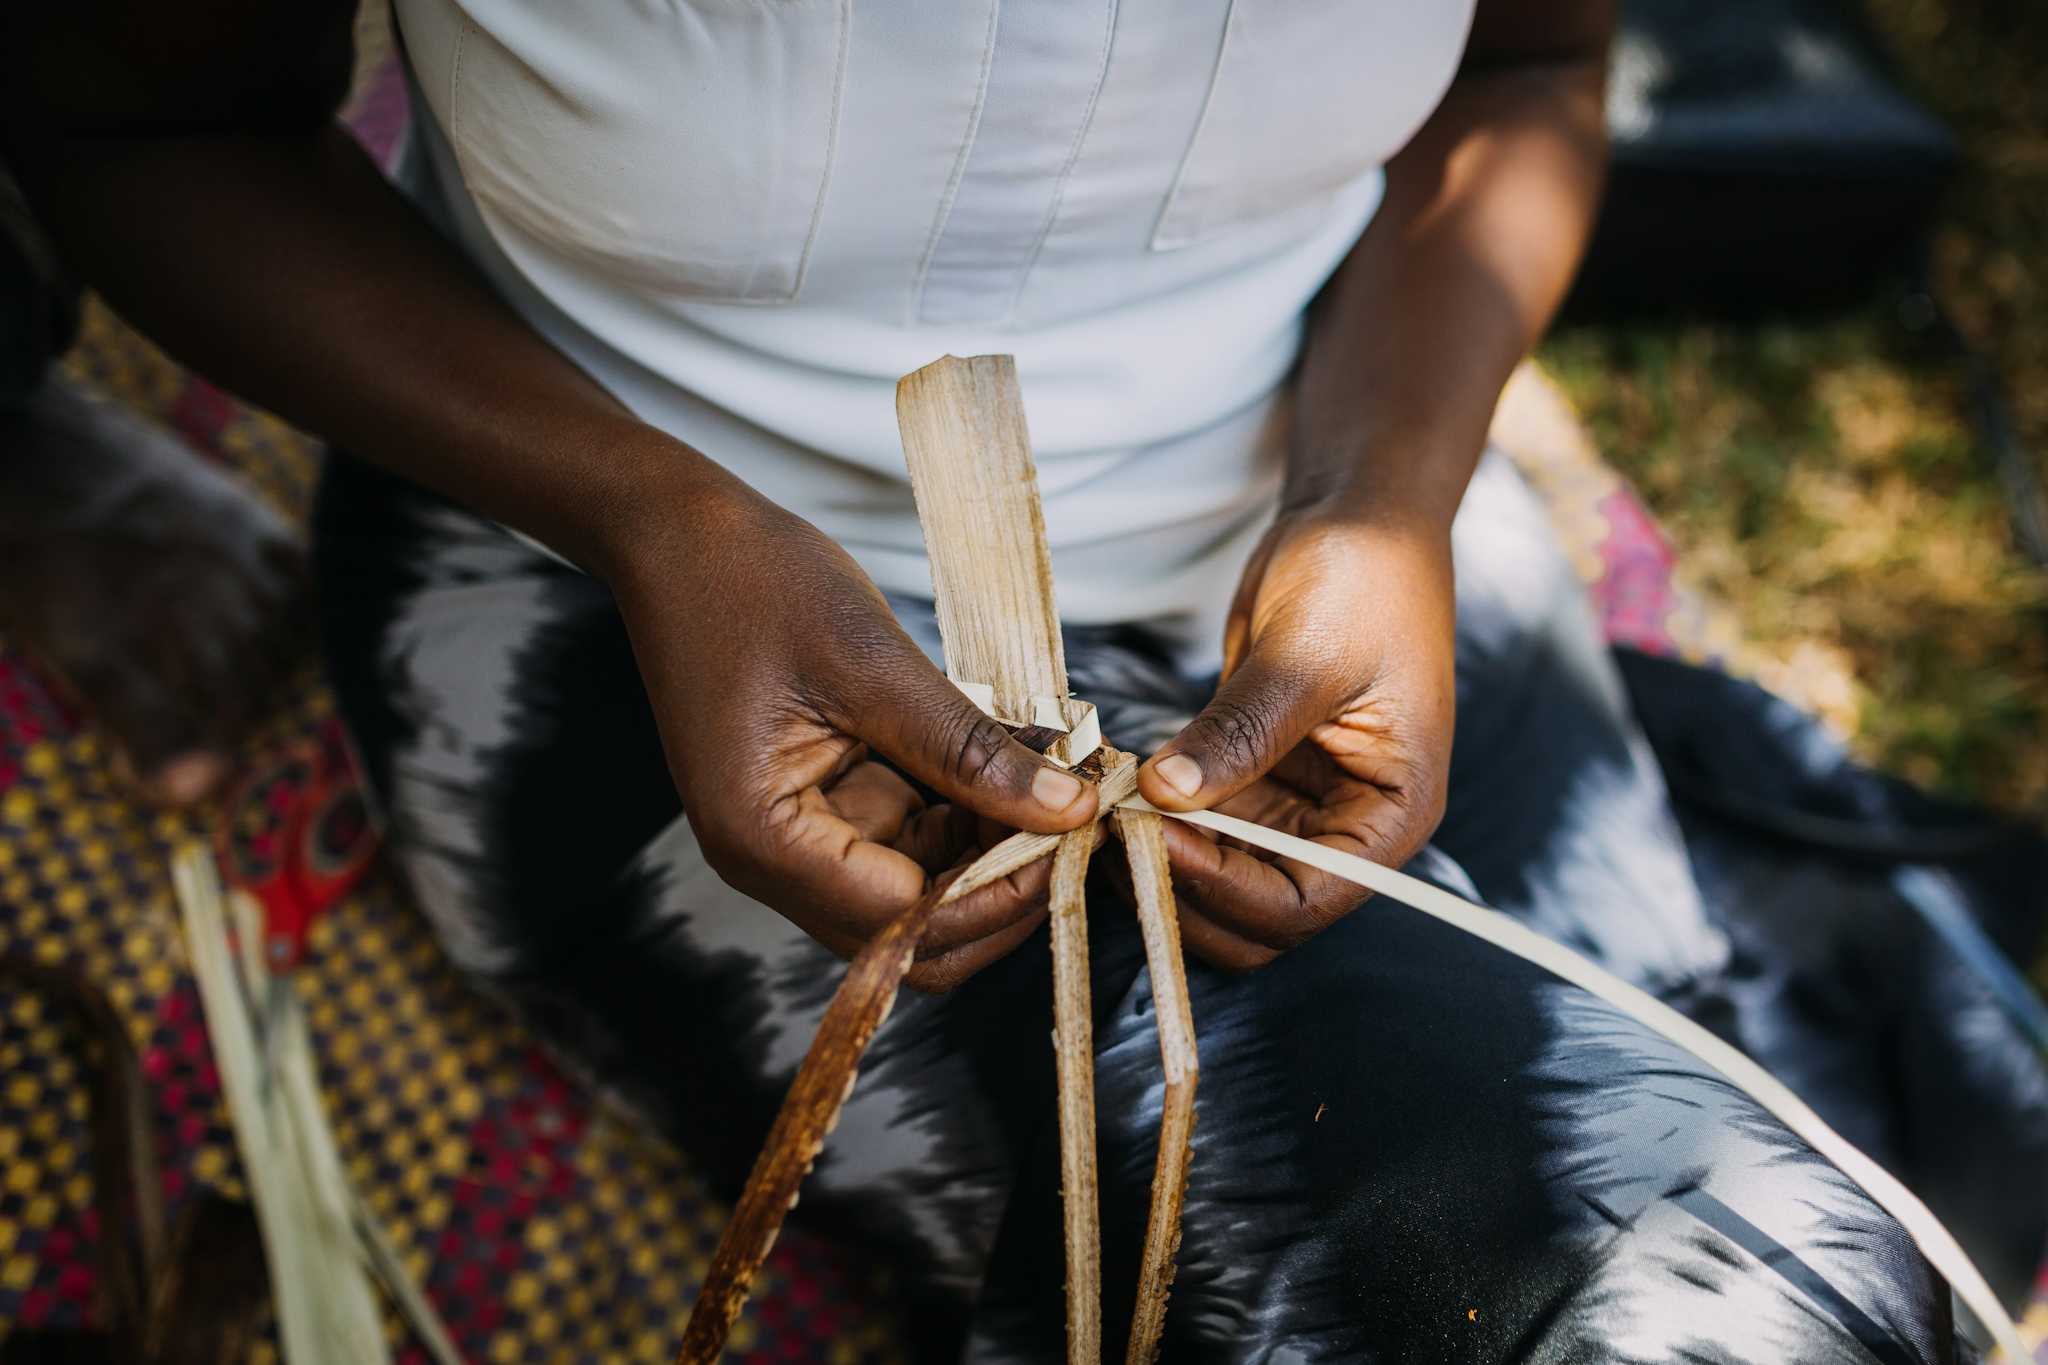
(38, 306)
(1763, 160)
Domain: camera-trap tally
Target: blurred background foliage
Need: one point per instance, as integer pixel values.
(1823, 475)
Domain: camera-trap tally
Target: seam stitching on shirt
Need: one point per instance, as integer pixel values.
(803, 263)
(945, 211)
(1059, 191)
(1208, 107)
(455, 88)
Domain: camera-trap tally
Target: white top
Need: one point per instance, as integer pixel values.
(748, 218)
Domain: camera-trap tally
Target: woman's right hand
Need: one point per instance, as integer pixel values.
(781, 682)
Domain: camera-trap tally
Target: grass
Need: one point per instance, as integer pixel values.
(1823, 476)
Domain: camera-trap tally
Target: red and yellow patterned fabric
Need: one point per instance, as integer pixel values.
(542, 1225)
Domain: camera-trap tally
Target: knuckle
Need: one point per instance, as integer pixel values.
(975, 747)
(938, 976)
(1242, 731)
(1421, 796)
(776, 829)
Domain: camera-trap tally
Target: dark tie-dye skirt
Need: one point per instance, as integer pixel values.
(1410, 1146)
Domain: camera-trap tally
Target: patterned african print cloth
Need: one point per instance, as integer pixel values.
(543, 1226)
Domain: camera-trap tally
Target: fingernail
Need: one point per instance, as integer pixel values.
(1054, 789)
(1181, 773)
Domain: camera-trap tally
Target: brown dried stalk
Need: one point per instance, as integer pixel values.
(809, 1113)
(1144, 840)
(1073, 1038)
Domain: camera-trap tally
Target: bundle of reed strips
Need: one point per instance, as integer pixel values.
(320, 1240)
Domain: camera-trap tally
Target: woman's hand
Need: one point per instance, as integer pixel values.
(1333, 722)
(781, 681)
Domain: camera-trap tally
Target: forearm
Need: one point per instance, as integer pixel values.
(1485, 216)
(287, 269)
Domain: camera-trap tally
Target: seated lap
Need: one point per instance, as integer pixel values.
(1409, 1145)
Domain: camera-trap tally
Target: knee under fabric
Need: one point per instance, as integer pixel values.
(1934, 1240)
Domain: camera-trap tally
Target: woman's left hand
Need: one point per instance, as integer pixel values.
(1333, 722)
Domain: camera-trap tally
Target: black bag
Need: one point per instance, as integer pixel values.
(1762, 159)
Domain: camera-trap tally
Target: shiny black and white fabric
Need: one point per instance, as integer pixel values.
(1410, 1146)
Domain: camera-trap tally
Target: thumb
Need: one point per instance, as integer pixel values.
(932, 731)
(1261, 711)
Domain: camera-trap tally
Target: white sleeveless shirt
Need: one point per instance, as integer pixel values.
(747, 218)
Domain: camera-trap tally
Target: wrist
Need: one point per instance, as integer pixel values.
(1401, 476)
(1386, 524)
(646, 498)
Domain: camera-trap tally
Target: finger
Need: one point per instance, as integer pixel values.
(1280, 904)
(1204, 937)
(1386, 825)
(1219, 947)
(928, 727)
(937, 975)
(992, 913)
(799, 856)
(988, 911)
(1259, 713)
(937, 835)
(808, 862)
(875, 801)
